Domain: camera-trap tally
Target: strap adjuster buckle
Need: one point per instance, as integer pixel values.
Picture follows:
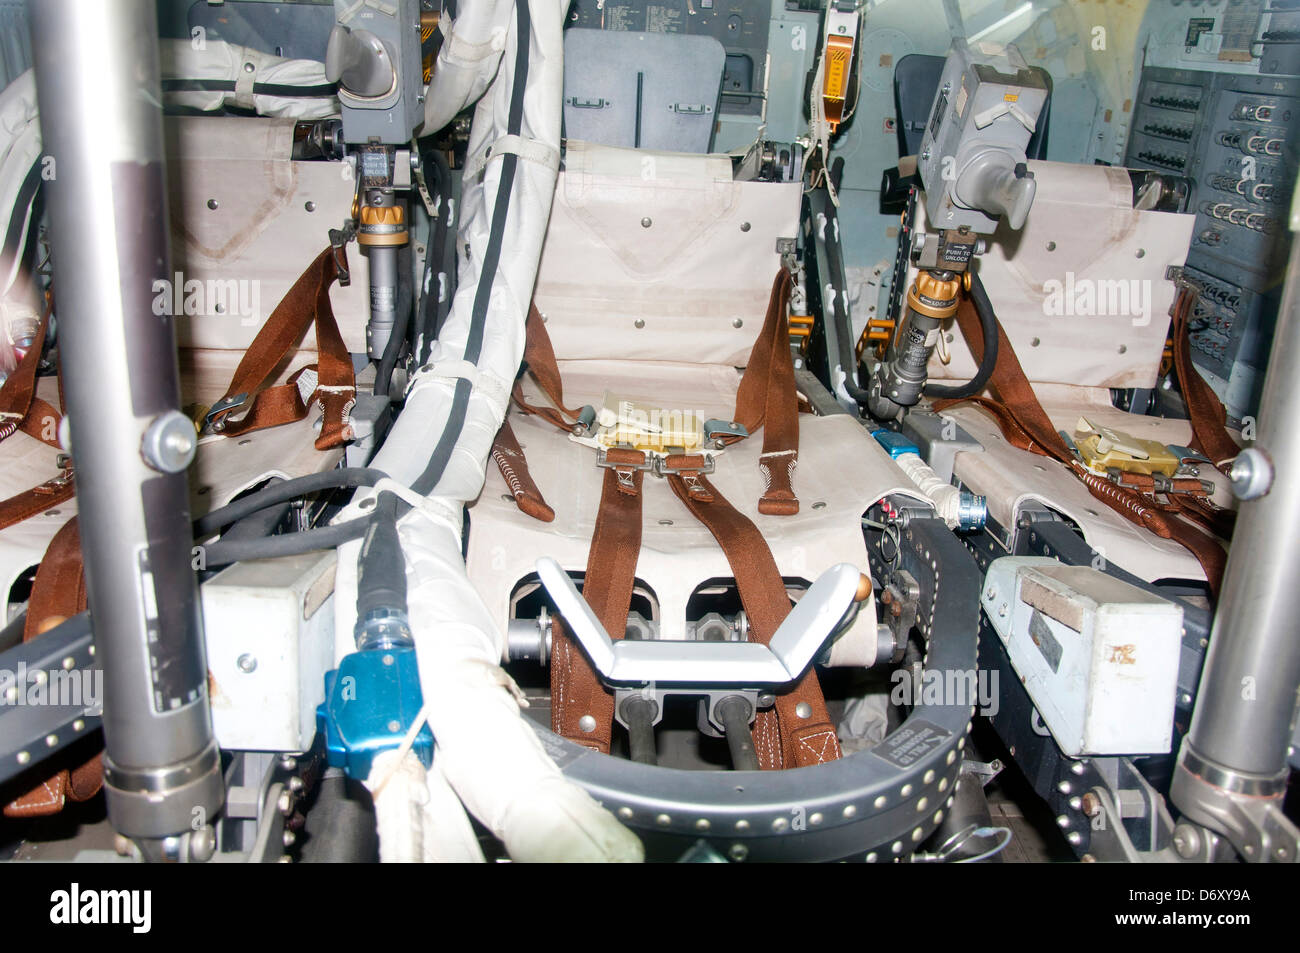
(602, 460)
(663, 469)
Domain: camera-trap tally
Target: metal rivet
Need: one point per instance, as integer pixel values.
(639, 323)
(587, 723)
(803, 710)
(646, 222)
(907, 790)
(922, 804)
(738, 852)
(247, 663)
(742, 825)
(309, 206)
(663, 820)
(849, 810)
(738, 323)
(249, 68)
(872, 857)
(819, 505)
(815, 818)
(744, 226)
(880, 802)
(394, 726)
(24, 757)
(51, 740)
(625, 813)
(387, 660)
(929, 777)
(780, 824)
(702, 824)
(212, 204)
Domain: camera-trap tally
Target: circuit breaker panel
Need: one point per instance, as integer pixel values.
(1232, 136)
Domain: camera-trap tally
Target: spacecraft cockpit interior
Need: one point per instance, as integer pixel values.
(619, 430)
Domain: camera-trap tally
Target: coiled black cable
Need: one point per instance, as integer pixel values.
(989, 328)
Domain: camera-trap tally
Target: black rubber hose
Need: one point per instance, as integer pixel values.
(434, 299)
(283, 492)
(381, 568)
(401, 322)
(989, 328)
(223, 552)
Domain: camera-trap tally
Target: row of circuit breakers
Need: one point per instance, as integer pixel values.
(1232, 136)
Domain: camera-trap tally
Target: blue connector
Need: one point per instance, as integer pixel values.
(370, 701)
(895, 443)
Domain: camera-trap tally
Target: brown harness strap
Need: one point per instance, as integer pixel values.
(581, 709)
(58, 593)
(1204, 409)
(766, 398)
(512, 463)
(307, 302)
(21, 409)
(798, 731)
(539, 359)
(1026, 425)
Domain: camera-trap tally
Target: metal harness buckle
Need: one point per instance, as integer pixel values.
(213, 420)
(653, 463)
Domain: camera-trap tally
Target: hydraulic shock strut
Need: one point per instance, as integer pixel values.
(899, 380)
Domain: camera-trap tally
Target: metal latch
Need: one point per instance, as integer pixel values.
(716, 430)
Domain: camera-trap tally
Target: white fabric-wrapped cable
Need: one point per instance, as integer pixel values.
(485, 749)
(945, 497)
(20, 150)
(469, 58)
(213, 74)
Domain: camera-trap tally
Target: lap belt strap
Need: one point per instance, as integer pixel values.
(334, 384)
(510, 460)
(798, 731)
(539, 360)
(1026, 425)
(766, 398)
(581, 709)
(58, 593)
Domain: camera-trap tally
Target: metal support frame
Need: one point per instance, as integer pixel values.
(876, 805)
(108, 219)
(1232, 770)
